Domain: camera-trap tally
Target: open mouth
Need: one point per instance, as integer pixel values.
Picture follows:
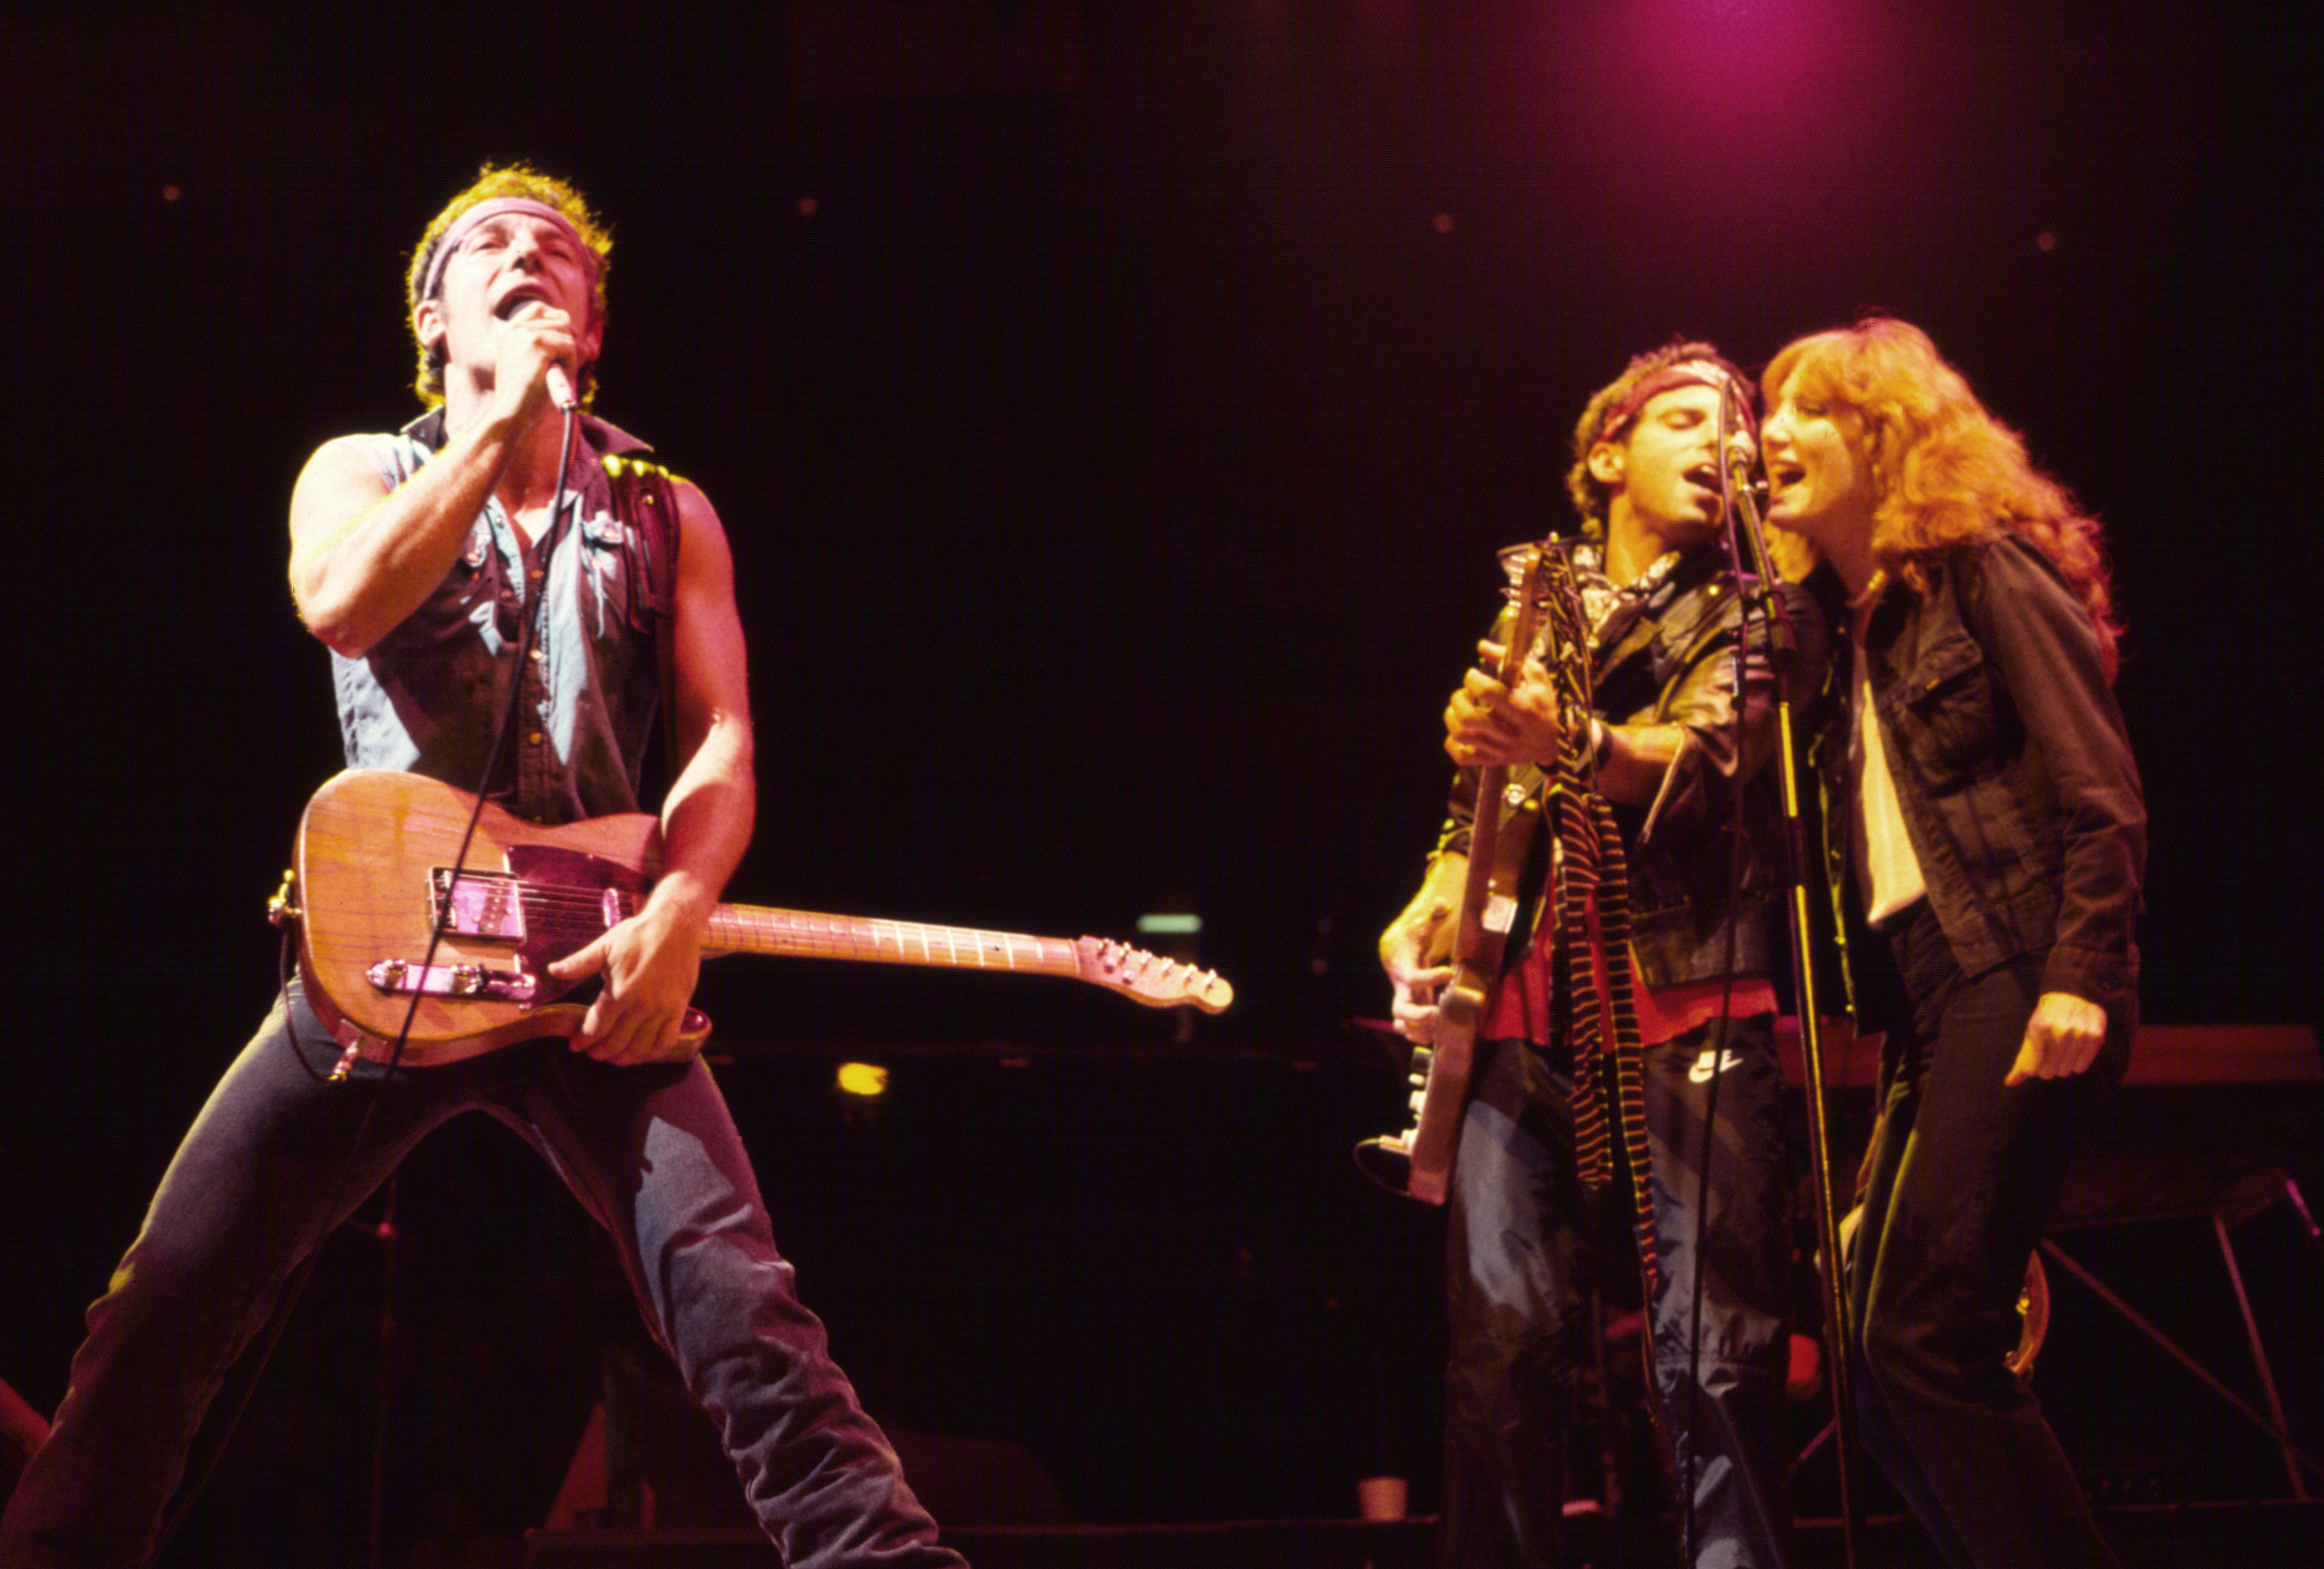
(516, 300)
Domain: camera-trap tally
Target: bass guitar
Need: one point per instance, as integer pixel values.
(1419, 1160)
(385, 920)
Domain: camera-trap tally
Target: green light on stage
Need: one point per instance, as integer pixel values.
(1169, 925)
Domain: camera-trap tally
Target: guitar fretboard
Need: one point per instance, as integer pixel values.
(802, 933)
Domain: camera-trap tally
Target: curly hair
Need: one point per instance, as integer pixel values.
(1945, 473)
(1591, 496)
(494, 182)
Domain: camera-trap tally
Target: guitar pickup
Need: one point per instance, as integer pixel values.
(469, 983)
(478, 904)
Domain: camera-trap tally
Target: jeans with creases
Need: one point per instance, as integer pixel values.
(1962, 1182)
(1522, 1265)
(273, 1165)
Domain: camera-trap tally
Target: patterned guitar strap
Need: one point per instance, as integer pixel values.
(1592, 886)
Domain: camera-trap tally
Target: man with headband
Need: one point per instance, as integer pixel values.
(420, 558)
(1672, 747)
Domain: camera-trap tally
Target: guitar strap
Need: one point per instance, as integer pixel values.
(645, 498)
(1591, 888)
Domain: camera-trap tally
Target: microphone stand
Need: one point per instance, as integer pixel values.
(1782, 660)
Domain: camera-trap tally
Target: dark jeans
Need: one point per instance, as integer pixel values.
(651, 1152)
(1962, 1181)
(1523, 1266)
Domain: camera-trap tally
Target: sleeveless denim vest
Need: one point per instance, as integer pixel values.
(429, 696)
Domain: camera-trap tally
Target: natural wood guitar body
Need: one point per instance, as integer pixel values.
(374, 881)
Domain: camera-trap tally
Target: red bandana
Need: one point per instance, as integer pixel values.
(1686, 373)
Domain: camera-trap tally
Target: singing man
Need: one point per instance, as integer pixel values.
(418, 558)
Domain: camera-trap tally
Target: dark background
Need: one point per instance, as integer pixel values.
(1115, 409)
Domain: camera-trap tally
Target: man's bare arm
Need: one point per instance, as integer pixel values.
(1636, 759)
(362, 557)
(651, 961)
(1416, 941)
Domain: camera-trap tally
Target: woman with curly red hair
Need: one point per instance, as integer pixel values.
(1985, 836)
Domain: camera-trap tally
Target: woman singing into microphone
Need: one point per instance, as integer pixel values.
(1985, 836)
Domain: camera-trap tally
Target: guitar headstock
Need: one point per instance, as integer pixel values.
(1148, 978)
(1545, 620)
(1531, 573)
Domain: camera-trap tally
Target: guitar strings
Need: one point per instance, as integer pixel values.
(564, 910)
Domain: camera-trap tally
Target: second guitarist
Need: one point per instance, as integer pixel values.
(1661, 609)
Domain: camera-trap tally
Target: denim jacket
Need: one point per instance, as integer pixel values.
(429, 696)
(1669, 659)
(2012, 768)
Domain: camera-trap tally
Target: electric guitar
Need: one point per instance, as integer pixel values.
(373, 886)
(1419, 1161)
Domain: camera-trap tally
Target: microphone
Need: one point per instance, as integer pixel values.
(557, 380)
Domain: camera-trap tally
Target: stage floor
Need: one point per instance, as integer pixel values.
(2269, 1534)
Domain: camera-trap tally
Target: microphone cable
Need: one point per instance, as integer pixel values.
(249, 1371)
(1723, 1026)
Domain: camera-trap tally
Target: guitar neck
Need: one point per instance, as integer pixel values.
(743, 928)
(1471, 941)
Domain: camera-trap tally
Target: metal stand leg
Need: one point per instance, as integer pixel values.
(2294, 1456)
(2259, 1356)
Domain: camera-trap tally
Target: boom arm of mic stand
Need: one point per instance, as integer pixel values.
(1783, 657)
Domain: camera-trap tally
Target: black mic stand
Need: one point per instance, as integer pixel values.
(1783, 660)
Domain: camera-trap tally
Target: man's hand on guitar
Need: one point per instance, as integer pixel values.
(1410, 950)
(1414, 1005)
(1489, 724)
(649, 963)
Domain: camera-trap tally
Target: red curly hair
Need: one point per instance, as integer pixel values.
(1945, 473)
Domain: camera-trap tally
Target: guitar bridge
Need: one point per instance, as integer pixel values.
(468, 982)
(477, 904)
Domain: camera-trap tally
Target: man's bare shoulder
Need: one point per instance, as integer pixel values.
(344, 458)
(702, 536)
(694, 509)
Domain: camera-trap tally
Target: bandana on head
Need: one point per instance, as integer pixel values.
(1686, 373)
(465, 224)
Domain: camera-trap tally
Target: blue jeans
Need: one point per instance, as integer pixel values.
(1963, 1178)
(272, 1167)
(1522, 1265)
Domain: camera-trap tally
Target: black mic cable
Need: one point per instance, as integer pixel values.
(279, 1317)
(1734, 472)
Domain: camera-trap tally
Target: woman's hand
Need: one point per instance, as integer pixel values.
(2061, 1038)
